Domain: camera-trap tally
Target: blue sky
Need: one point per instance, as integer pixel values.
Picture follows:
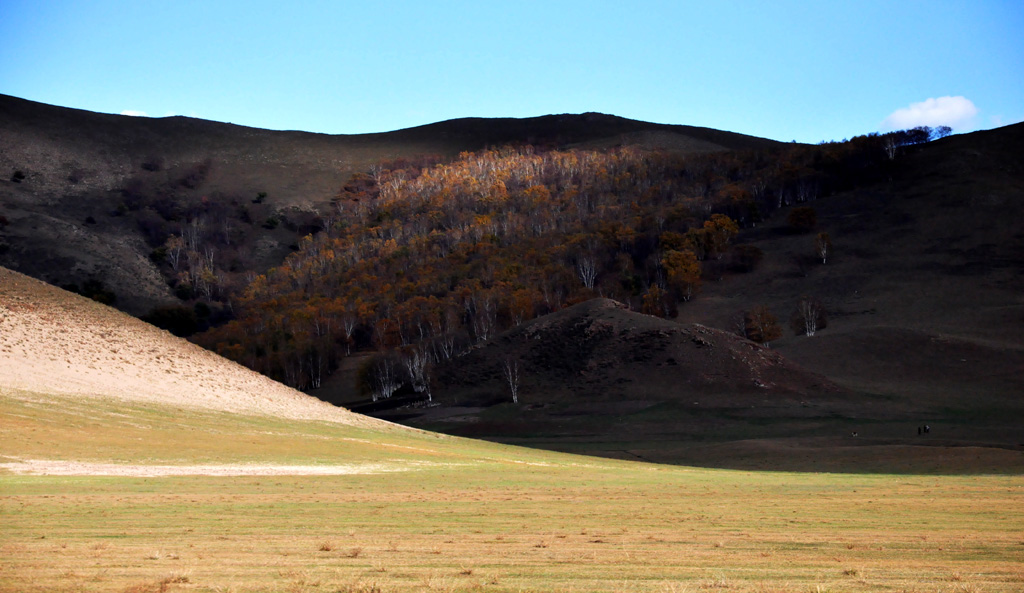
(786, 70)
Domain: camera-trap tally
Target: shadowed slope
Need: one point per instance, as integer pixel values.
(600, 351)
(598, 379)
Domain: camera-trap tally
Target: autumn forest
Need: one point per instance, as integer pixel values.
(424, 258)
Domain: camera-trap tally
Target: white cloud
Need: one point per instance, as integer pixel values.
(134, 113)
(955, 112)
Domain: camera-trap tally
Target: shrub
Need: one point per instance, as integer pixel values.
(158, 255)
(195, 175)
(202, 310)
(185, 291)
(761, 326)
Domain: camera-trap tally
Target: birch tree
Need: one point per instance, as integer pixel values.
(512, 377)
(823, 245)
(417, 363)
(385, 379)
(809, 317)
(586, 268)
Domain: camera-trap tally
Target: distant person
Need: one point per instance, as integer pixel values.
(927, 429)
(918, 431)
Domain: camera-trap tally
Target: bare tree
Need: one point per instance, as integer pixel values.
(192, 233)
(890, 147)
(586, 267)
(417, 362)
(512, 376)
(484, 316)
(175, 244)
(809, 317)
(823, 245)
(349, 322)
(385, 380)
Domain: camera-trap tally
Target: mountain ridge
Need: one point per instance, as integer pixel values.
(97, 178)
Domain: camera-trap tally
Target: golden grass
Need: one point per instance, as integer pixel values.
(477, 517)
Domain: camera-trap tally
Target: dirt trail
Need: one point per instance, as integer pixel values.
(51, 467)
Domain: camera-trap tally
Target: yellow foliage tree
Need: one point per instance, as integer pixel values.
(683, 271)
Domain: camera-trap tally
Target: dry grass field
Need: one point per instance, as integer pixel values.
(415, 512)
(204, 482)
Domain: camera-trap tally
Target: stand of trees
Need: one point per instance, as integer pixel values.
(432, 259)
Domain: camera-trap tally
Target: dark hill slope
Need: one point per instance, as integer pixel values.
(599, 379)
(923, 292)
(923, 289)
(599, 351)
(49, 144)
(88, 196)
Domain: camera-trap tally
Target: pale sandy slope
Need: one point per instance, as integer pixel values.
(56, 342)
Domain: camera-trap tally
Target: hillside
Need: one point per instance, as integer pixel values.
(922, 295)
(599, 351)
(598, 379)
(88, 196)
(426, 255)
(57, 343)
(131, 462)
(922, 288)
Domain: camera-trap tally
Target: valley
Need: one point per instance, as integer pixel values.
(621, 393)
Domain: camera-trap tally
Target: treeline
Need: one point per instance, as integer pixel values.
(427, 260)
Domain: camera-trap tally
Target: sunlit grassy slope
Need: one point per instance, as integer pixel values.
(203, 479)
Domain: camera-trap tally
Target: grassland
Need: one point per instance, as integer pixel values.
(422, 512)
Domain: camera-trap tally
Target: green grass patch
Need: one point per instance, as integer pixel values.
(466, 516)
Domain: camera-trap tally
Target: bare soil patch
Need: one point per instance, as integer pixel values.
(54, 467)
(53, 341)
